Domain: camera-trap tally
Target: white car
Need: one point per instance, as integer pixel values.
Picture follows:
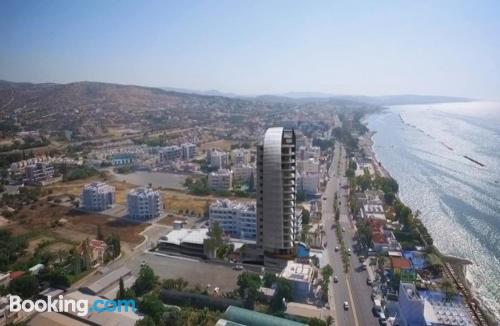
(346, 305)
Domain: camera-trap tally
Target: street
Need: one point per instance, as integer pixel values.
(351, 287)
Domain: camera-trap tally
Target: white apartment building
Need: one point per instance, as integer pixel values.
(144, 203)
(310, 165)
(97, 196)
(218, 159)
(185, 151)
(308, 182)
(235, 218)
(240, 156)
(188, 151)
(243, 173)
(220, 180)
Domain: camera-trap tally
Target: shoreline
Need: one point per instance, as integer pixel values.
(456, 265)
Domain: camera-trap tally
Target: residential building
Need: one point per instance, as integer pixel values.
(188, 151)
(218, 159)
(308, 182)
(221, 180)
(277, 225)
(240, 156)
(235, 218)
(39, 173)
(243, 173)
(97, 196)
(308, 166)
(144, 203)
(304, 312)
(170, 153)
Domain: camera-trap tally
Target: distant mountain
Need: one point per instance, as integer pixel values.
(212, 92)
(405, 99)
(319, 96)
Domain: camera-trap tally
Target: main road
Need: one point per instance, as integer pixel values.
(351, 287)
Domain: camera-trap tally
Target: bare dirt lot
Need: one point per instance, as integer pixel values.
(45, 216)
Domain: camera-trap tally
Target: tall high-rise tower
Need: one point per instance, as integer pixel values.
(277, 225)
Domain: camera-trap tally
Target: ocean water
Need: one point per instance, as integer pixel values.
(423, 147)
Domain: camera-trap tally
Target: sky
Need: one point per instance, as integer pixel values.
(445, 47)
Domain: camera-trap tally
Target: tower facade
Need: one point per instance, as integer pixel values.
(277, 224)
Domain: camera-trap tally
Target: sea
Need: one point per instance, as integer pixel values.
(446, 159)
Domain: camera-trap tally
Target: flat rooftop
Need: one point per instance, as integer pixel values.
(297, 272)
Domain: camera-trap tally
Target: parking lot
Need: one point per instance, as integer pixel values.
(192, 270)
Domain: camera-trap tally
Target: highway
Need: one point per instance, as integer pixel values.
(351, 287)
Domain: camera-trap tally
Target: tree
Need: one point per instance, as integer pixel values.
(172, 317)
(146, 321)
(121, 290)
(26, 286)
(146, 281)
(56, 278)
(389, 198)
(249, 284)
(251, 183)
(317, 322)
(100, 236)
(283, 293)
(153, 307)
(269, 279)
(214, 240)
(305, 216)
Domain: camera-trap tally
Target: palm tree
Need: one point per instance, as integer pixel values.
(447, 286)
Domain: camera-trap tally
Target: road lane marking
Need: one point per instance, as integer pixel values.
(352, 301)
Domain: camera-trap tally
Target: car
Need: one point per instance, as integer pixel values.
(326, 243)
(238, 267)
(346, 305)
(343, 229)
(369, 282)
(143, 263)
(335, 279)
(324, 198)
(337, 248)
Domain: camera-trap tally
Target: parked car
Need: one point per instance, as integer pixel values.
(335, 279)
(337, 248)
(238, 267)
(346, 305)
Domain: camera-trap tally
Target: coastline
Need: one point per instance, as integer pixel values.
(456, 266)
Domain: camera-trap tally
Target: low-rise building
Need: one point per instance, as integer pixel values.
(188, 242)
(144, 203)
(97, 196)
(221, 180)
(372, 211)
(123, 159)
(235, 218)
(39, 173)
(300, 277)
